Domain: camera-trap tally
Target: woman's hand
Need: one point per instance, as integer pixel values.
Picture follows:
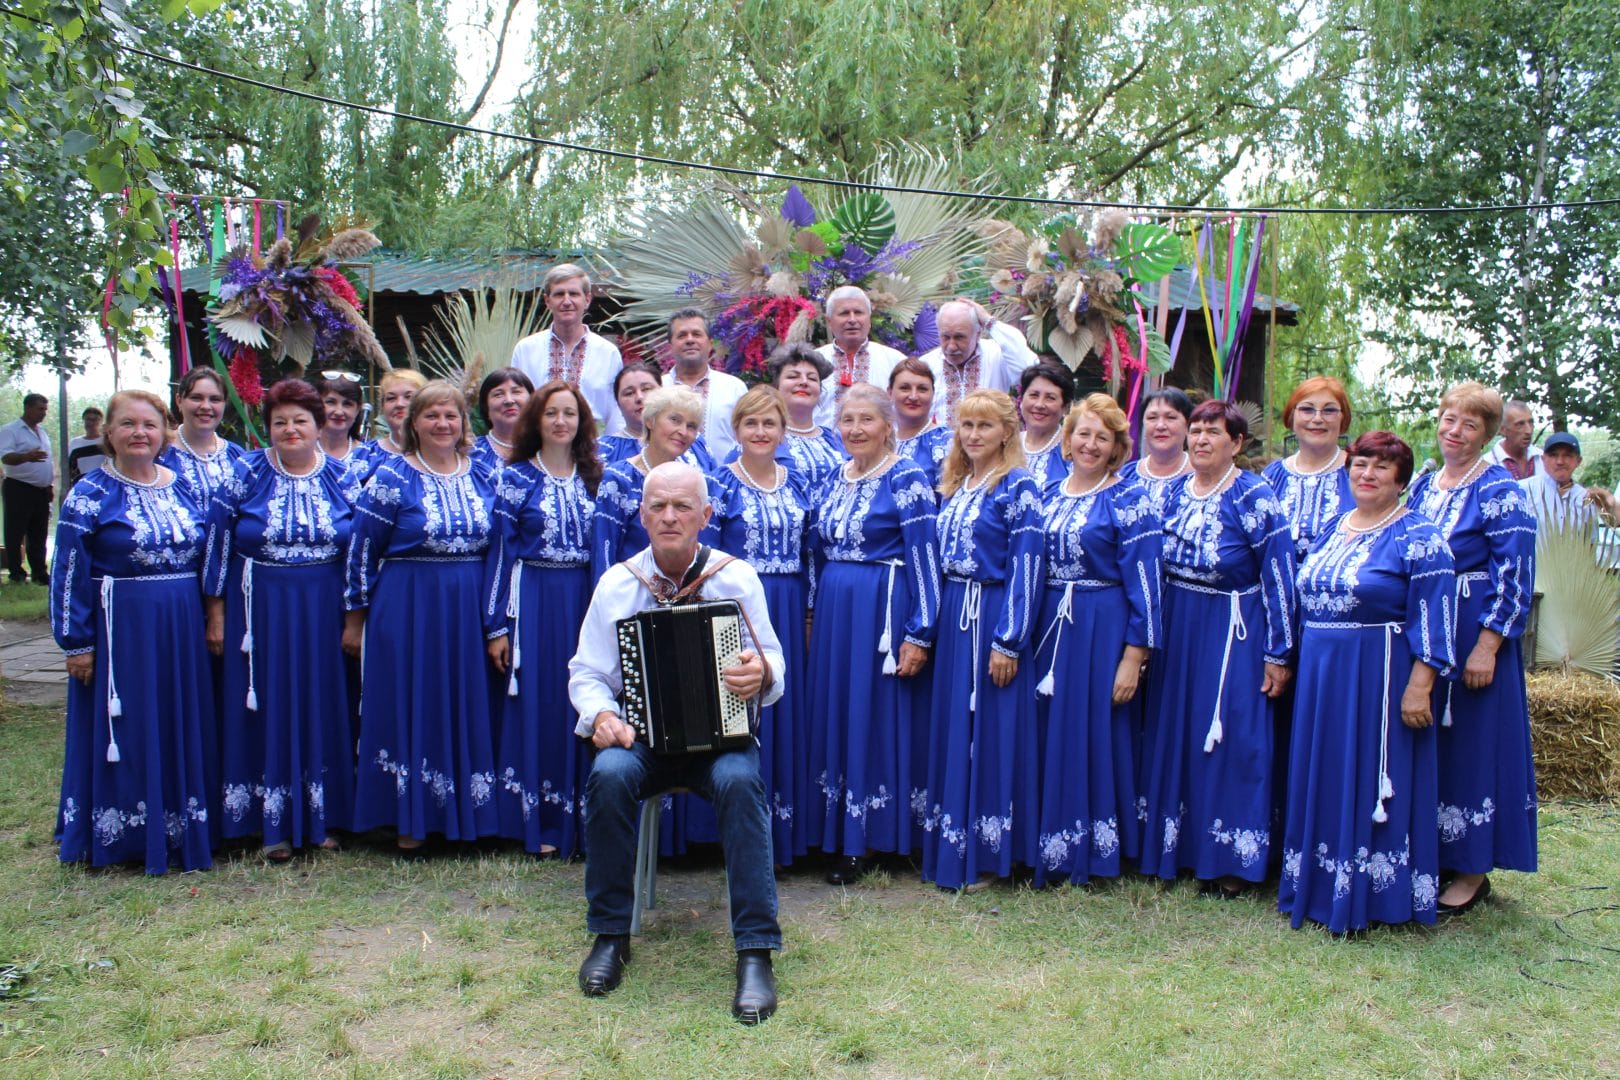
(1128, 675)
(912, 659)
(214, 625)
(1276, 680)
(1480, 670)
(1416, 708)
(82, 667)
(354, 631)
(500, 653)
(1003, 668)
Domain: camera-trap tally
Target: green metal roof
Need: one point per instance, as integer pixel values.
(1184, 293)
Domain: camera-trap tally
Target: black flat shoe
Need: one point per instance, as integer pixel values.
(846, 870)
(1451, 911)
(756, 987)
(604, 964)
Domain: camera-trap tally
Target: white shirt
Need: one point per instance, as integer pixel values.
(594, 676)
(602, 362)
(880, 362)
(1496, 455)
(84, 462)
(18, 438)
(1551, 506)
(1003, 356)
(724, 391)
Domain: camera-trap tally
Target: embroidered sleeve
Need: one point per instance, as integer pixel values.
(73, 598)
(1431, 597)
(222, 513)
(1510, 539)
(1140, 551)
(1273, 542)
(374, 516)
(919, 533)
(510, 496)
(615, 504)
(1026, 543)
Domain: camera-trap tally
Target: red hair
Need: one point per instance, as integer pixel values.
(1384, 446)
(1319, 384)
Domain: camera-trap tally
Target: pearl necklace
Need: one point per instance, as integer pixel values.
(1023, 439)
(573, 471)
(461, 467)
(1092, 490)
(970, 486)
(1219, 484)
(181, 435)
(873, 471)
(147, 485)
(274, 458)
(741, 472)
(1143, 470)
(1359, 530)
(498, 441)
(1333, 463)
(1440, 481)
(812, 431)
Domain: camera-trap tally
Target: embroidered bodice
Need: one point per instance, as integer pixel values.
(1113, 536)
(269, 516)
(202, 473)
(616, 530)
(406, 513)
(1309, 501)
(885, 518)
(994, 535)
(768, 530)
(1491, 530)
(928, 449)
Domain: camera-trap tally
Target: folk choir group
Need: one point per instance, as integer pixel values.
(1013, 646)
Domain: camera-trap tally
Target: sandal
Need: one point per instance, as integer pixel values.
(331, 844)
(278, 853)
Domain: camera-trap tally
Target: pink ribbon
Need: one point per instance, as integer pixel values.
(179, 288)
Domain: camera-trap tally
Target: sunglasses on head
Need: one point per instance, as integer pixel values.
(347, 376)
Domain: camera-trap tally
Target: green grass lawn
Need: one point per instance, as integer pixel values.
(24, 601)
(354, 964)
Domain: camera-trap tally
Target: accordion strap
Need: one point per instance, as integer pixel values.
(699, 572)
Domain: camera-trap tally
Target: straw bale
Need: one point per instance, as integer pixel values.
(1575, 732)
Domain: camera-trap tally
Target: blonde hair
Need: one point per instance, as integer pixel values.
(434, 393)
(402, 374)
(983, 405)
(867, 394)
(1479, 399)
(125, 398)
(1106, 410)
(677, 399)
(761, 399)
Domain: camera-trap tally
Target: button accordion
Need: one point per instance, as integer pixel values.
(674, 696)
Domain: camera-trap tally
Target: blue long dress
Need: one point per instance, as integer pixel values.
(1310, 502)
(1371, 605)
(1487, 774)
(1047, 466)
(1103, 592)
(125, 588)
(537, 578)
(982, 801)
(1228, 610)
(769, 531)
(416, 564)
(275, 554)
(877, 587)
(928, 449)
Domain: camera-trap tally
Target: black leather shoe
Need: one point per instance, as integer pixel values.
(756, 987)
(1451, 911)
(846, 870)
(604, 964)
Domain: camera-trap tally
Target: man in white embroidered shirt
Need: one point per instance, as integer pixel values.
(674, 509)
(976, 352)
(692, 348)
(568, 350)
(855, 357)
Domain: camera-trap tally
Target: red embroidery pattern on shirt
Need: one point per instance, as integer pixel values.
(566, 361)
(958, 381)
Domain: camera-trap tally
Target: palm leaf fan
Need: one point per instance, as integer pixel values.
(479, 327)
(947, 223)
(1580, 602)
(659, 254)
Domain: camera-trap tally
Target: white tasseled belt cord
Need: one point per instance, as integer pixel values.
(247, 631)
(115, 707)
(1065, 614)
(968, 621)
(886, 642)
(514, 611)
(1463, 593)
(1236, 630)
(1386, 786)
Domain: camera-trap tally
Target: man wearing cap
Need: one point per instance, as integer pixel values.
(1555, 498)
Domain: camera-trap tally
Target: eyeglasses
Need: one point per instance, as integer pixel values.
(1310, 412)
(346, 376)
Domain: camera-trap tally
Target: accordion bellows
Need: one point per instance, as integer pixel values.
(674, 695)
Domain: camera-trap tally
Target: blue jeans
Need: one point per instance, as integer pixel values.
(620, 779)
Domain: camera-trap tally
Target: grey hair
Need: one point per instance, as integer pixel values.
(867, 394)
(680, 399)
(968, 309)
(847, 292)
(1517, 404)
(564, 272)
(677, 472)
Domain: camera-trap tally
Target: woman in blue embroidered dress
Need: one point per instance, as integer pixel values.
(631, 386)
(277, 535)
(126, 608)
(809, 449)
(1045, 392)
(343, 401)
(1312, 483)
(538, 580)
(1164, 459)
(874, 540)
(1099, 622)
(501, 397)
(414, 597)
(1360, 843)
(980, 810)
(911, 388)
(1228, 650)
(1487, 777)
(762, 510)
(672, 416)
(395, 390)
(201, 457)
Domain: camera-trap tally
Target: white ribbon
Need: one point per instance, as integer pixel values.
(115, 707)
(247, 630)
(1065, 614)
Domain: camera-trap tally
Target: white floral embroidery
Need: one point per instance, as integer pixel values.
(70, 811)
(400, 771)
(1456, 820)
(1249, 845)
(1425, 891)
(780, 810)
(481, 785)
(441, 785)
(109, 822)
(315, 797)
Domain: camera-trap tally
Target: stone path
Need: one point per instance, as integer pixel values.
(31, 663)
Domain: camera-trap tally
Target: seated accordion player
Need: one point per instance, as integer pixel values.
(674, 695)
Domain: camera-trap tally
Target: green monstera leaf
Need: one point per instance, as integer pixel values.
(867, 220)
(1146, 252)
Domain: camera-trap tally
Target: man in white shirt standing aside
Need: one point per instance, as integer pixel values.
(692, 348)
(29, 487)
(1554, 496)
(570, 351)
(1516, 451)
(976, 352)
(855, 357)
